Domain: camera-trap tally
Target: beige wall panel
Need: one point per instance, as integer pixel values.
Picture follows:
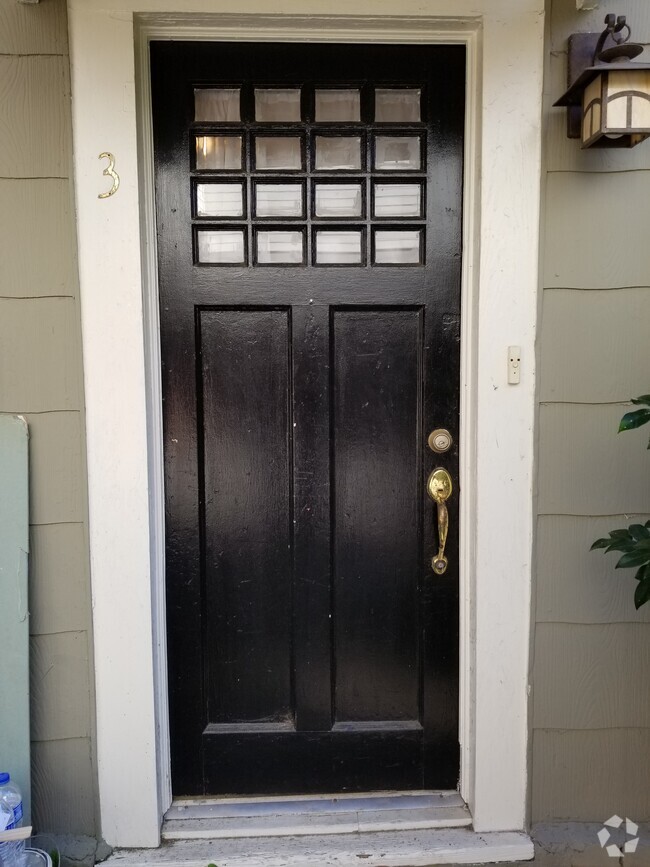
(591, 676)
(33, 30)
(594, 345)
(595, 236)
(62, 787)
(576, 585)
(586, 467)
(56, 468)
(40, 355)
(59, 598)
(59, 685)
(588, 776)
(35, 135)
(565, 154)
(37, 240)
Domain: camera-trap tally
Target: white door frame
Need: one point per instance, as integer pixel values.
(117, 267)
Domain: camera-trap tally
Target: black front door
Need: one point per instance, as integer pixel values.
(309, 243)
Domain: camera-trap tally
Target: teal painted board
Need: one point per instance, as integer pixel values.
(14, 655)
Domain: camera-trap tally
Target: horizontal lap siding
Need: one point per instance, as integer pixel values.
(41, 377)
(591, 711)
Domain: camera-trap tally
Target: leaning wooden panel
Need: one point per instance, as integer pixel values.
(576, 585)
(14, 548)
(594, 346)
(60, 686)
(56, 468)
(587, 776)
(37, 238)
(595, 233)
(26, 30)
(35, 136)
(59, 583)
(64, 788)
(589, 676)
(585, 467)
(40, 355)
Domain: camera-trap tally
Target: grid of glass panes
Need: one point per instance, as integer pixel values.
(306, 179)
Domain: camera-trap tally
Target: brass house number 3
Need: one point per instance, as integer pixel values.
(110, 172)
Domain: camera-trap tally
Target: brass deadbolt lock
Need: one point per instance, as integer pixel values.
(440, 440)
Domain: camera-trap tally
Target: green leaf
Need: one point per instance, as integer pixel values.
(644, 398)
(600, 543)
(622, 545)
(638, 532)
(642, 593)
(633, 558)
(634, 419)
(620, 534)
(642, 573)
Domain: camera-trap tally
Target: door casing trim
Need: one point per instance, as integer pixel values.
(123, 395)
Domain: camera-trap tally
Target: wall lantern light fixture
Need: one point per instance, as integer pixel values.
(608, 100)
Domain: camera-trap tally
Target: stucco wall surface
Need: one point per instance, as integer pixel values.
(591, 705)
(41, 377)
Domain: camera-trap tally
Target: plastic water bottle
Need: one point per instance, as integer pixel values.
(11, 852)
(11, 797)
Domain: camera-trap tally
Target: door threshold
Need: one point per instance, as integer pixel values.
(295, 815)
(424, 848)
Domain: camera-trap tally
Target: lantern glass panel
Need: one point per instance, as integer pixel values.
(591, 107)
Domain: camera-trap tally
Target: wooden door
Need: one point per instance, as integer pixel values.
(309, 244)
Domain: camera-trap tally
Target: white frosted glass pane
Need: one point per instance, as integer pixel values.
(279, 248)
(219, 103)
(221, 247)
(278, 152)
(338, 248)
(219, 200)
(617, 113)
(338, 200)
(398, 200)
(277, 105)
(397, 248)
(334, 152)
(397, 106)
(218, 152)
(397, 153)
(278, 200)
(337, 105)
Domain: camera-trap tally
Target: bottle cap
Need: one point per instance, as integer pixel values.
(4, 778)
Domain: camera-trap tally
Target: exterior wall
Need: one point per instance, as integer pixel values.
(41, 377)
(591, 709)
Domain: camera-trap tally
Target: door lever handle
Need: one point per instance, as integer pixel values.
(439, 488)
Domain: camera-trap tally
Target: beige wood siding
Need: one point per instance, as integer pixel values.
(591, 648)
(41, 377)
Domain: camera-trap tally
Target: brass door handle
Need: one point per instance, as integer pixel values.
(439, 488)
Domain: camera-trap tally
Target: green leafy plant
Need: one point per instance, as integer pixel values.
(633, 543)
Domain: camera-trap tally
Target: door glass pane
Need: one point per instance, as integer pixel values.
(221, 247)
(219, 200)
(280, 247)
(338, 105)
(397, 106)
(218, 152)
(278, 152)
(278, 200)
(216, 103)
(397, 248)
(397, 153)
(275, 105)
(338, 152)
(398, 200)
(338, 248)
(338, 200)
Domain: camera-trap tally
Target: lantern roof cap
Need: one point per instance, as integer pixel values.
(573, 95)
